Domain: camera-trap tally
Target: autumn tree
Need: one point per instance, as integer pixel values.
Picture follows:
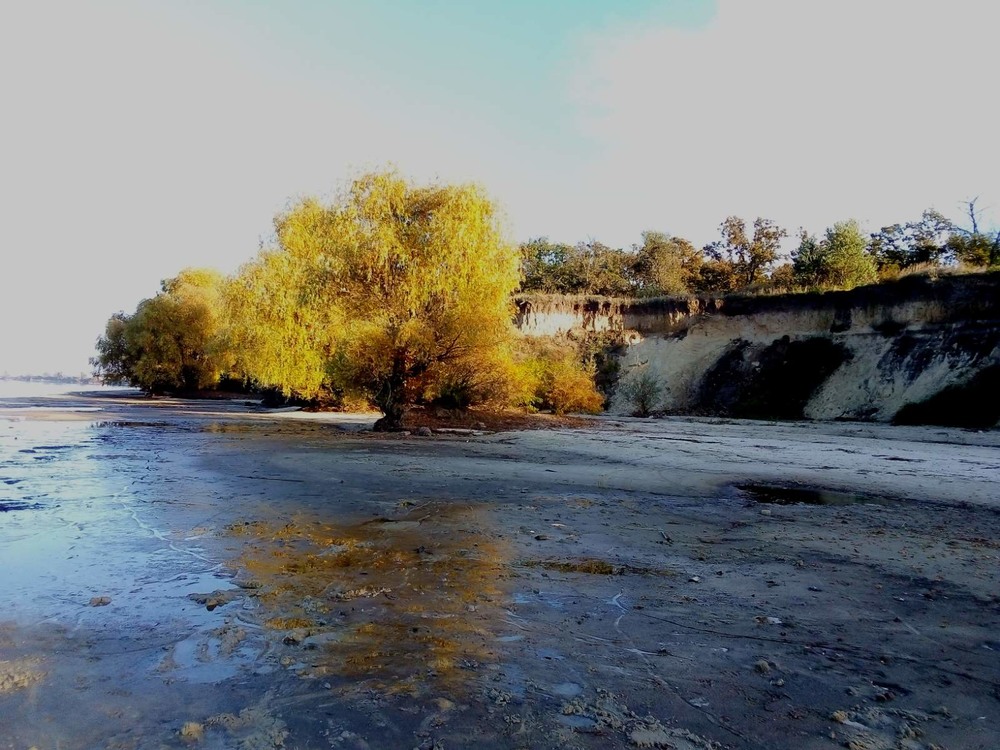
(172, 342)
(389, 292)
(749, 257)
(281, 326)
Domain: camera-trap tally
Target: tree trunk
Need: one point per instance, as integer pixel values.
(392, 421)
(391, 396)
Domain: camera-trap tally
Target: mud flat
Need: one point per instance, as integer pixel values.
(207, 575)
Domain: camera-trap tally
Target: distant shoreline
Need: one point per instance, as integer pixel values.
(57, 379)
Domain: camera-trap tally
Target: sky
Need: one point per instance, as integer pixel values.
(139, 137)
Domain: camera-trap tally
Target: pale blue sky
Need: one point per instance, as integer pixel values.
(141, 136)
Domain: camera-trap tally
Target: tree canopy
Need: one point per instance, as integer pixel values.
(841, 260)
(389, 292)
(172, 342)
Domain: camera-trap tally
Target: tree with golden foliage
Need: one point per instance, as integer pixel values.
(280, 336)
(172, 342)
(389, 292)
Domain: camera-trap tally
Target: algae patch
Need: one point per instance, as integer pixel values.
(395, 604)
(19, 674)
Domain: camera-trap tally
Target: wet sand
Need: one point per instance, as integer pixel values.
(209, 575)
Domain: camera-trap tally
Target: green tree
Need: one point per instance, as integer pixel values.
(900, 246)
(749, 256)
(115, 359)
(594, 268)
(841, 260)
(973, 245)
(809, 260)
(543, 266)
(665, 265)
(846, 261)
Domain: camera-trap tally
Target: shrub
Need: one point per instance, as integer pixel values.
(568, 386)
(558, 376)
(642, 391)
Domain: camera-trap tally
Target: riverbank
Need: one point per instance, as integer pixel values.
(193, 574)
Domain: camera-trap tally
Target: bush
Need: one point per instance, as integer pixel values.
(560, 379)
(642, 391)
(568, 386)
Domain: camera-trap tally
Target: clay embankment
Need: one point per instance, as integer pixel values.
(917, 350)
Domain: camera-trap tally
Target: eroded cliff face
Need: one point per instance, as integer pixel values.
(919, 350)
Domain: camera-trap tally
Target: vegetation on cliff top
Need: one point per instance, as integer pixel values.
(749, 259)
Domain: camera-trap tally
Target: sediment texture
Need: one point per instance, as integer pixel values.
(919, 350)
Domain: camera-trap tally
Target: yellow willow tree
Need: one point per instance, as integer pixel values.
(397, 289)
(280, 336)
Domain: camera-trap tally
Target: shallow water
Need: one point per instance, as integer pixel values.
(197, 575)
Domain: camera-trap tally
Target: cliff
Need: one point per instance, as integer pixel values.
(922, 350)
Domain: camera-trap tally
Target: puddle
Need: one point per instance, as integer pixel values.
(577, 722)
(778, 495)
(567, 689)
(404, 605)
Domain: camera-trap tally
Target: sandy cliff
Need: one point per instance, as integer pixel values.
(917, 350)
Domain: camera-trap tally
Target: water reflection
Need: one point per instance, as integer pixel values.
(399, 604)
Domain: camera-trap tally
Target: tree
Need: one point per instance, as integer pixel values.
(585, 268)
(395, 288)
(543, 265)
(665, 265)
(900, 246)
(114, 360)
(809, 260)
(281, 335)
(846, 262)
(172, 342)
(839, 261)
(594, 268)
(750, 257)
(973, 245)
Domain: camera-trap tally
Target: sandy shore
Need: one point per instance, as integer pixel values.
(201, 574)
